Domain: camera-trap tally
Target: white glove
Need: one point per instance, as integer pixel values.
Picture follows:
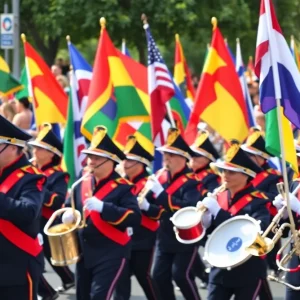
(278, 202)
(68, 217)
(154, 185)
(144, 205)
(212, 205)
(295, 203)
(94, 203)
(206, 219)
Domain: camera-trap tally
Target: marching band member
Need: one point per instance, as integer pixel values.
(265, 182)
(144, 236)
(111, 209)
(292, 278)
(203, 154)
(47, 153)
(239, 198)
(21, 198)
(175, 188)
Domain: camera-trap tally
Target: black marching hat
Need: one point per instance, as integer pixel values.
(47, 139)
(135, 151)
(203, 146)
(175, 144)
(237, 160)
(255, 144)
(11, 134)
(102, 145)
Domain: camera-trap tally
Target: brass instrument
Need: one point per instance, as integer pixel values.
(145, 191)
(294, 240)
(63, 237)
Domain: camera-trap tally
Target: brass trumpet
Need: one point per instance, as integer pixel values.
(62, 237)
(145, 190)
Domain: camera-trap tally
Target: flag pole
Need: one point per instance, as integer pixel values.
(279, 115)
(168, 106)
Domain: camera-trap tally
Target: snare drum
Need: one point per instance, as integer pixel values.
(187, 225)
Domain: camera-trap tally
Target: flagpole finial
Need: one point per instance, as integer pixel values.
(102, 22)
(177, 37)
(237, 40)
(292, 37)
(23, 37)
(214, 22)
(208, 46)
(68, 38)
(144, 19)
(123, 40)
(250, 58)
(225, 40)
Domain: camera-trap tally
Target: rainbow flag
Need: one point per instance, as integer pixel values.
(295, 52)
(182, 75)
(49, 99)
(113, 98)
(8, 84)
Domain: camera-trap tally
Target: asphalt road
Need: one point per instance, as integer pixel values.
(137, 294)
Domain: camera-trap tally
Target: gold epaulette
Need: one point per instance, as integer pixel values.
(258, 194)
(30, 169)
(122, 180)
(192, 176)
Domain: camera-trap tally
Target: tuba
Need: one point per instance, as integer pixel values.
(63, 238)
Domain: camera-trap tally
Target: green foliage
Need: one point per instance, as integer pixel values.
(47, 22)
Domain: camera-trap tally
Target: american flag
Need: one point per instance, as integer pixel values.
(160, 86)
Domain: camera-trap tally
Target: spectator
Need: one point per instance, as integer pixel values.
(24, 115)
(8, 111)
(64, 82)
(56, 70)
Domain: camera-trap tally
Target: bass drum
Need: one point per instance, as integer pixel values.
(226, 246)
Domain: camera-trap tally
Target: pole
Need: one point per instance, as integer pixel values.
(272, 49)
(6, 51)
(16, 50)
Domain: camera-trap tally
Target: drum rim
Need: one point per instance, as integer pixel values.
(191, 208)
(206, 255)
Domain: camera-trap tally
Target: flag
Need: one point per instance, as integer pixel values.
(160, 87)
(219, 98)
(8, 84)
(24, 81)
(49, 99)
(74, 141)
(239, 65)
(250, 71)
(125, 50)
(113, 98)
(279, 78)
(182, 75)
(295, 52)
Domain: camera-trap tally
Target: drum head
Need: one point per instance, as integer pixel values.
(186, 217)
(226, 246)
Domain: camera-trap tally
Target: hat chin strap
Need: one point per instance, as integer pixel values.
(132, 165)
(99, 164)
(4, 148)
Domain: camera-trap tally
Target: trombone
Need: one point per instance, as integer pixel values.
(264, 245)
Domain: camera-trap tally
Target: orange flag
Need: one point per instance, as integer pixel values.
(49, 99)
(219, 99)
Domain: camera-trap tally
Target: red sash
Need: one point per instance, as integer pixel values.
(146, 221)
(259, 178)
(103, 227)
(174, 186)
(46, 211)
(11, 232)
(235, 208)
(201, 175)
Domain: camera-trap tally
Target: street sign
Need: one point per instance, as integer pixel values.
(7, 31)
